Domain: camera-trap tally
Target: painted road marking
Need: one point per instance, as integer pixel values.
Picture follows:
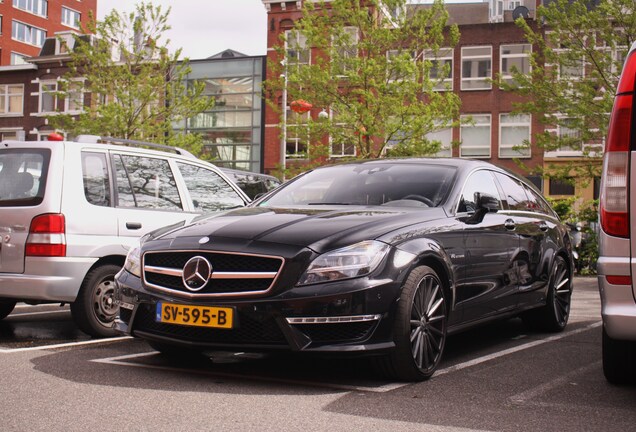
(64, 345)
(122, 361)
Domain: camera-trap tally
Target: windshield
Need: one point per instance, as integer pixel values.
(413, 185)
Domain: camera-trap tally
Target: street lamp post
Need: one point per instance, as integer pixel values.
(283, 139)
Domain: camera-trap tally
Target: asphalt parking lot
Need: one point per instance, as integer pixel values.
(498, 377)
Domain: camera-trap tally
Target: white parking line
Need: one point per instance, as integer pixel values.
(532, 344)
(27, 314)
(121, 361)
(63, 345)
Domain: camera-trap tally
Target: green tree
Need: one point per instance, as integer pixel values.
(578, 51)
(137, 87)
(371, 66)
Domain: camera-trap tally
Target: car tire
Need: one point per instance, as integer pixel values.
(419, 328)
(6, 307)
(619, 360)
(554, 315)
(94, 308)
(174, 351)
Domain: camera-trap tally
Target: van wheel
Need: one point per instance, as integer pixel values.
(6, 307)
(619, 360)
(94, 308)
(419, 328)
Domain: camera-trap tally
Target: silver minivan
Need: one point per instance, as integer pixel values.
(69, 212)
(617, 243)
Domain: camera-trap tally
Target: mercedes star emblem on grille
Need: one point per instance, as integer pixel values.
(196, 273)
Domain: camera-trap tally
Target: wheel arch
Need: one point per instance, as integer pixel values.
(430, 253)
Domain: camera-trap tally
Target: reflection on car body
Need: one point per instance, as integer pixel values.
(382, 258)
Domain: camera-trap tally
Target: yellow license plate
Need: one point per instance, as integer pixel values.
(197, 316)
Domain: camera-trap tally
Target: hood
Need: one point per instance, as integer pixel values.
(319, 229)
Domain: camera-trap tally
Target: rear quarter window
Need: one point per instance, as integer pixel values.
(23, 174)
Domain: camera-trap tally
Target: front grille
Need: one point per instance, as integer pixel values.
(337, 332)
(232, 273)
(250, 330)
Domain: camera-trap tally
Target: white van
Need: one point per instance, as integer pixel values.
(69, 211)
(617, 249)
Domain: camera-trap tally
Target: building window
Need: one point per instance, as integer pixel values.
(476, 68)
(475, 136)
(445, 138)
(27, 34)
(515, 58)
(74, 101)
(297, 135)
(559, 187)
(11, 99)
(11, 134)
(514, 135)
(346, 50)
(569, 135)
(296, 48)
(338, 147)
(441, 71)
(48, 97)
(18, 59)
(37, 7)
(70, 18)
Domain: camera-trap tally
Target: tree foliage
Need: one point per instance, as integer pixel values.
(136, 85)
(374, 81)
(578, 52)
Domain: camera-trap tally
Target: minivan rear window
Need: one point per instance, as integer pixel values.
(23, 176)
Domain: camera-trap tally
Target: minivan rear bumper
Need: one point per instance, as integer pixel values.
(46, 279)
(618, 309)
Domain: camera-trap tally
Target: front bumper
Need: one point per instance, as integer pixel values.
(354, 315)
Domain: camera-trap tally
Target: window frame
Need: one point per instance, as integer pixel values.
(7, 96)
(41, 92)
(33, 7)
(435, 60)
(485, 79)
(513, 124)
(508, 76)
(464, 125)
(71, 13)
(33, 33)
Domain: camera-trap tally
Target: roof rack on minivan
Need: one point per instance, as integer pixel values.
(105, 139)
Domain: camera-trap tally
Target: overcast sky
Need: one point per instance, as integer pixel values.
(206, 27)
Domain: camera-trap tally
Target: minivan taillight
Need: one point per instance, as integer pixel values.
(614, 203)
(47, 236)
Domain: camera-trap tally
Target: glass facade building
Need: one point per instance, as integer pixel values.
(233, 129)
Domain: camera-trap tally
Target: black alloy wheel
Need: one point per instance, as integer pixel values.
(553, 317)
(420, 328)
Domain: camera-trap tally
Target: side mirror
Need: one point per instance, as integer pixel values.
(487, 203)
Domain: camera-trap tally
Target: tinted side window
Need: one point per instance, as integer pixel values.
(23, 176)
(513, 191)
(146, 183)
(208, 190)
(536, 203)
(96, 179)
(479, 182)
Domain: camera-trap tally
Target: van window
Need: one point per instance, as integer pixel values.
(23, 176)
(96, 179)
(145, 182)
(208, 190)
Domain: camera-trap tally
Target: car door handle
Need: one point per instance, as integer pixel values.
(543, 226)
(133, 225)
(510, 224)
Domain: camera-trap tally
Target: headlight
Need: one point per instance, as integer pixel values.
(349, 262)
(133, 261)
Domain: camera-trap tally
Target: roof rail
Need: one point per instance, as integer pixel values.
(104, 139)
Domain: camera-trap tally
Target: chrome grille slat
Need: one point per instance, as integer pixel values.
(233, 273)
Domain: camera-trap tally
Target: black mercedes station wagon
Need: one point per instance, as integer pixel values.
(384, 258)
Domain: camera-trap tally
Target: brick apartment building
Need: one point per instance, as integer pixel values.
(490, 43)
(25, 25)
